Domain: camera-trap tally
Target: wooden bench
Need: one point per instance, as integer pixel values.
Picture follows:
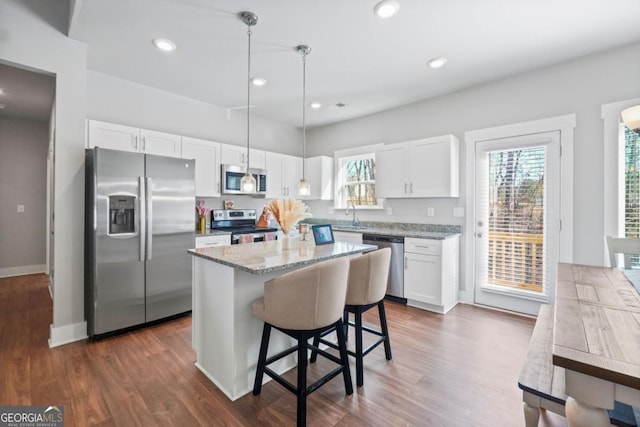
(542, 382)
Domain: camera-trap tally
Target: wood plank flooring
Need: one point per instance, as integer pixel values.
(460, 369)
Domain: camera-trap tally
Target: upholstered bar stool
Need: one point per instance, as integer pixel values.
(368, 276)
(302, 304)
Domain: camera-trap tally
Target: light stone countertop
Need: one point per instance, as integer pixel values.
(275, 255)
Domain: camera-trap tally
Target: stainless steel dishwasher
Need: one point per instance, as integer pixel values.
(395, 285)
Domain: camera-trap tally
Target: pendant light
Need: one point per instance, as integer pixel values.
(304, 189)
(248, 182)
(631, 118)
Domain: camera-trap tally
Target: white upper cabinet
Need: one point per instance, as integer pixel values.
(236, 155)
(319, 175)
(160, 143)
(423, 168)
(113, 136)
(207, 157)
(283, 175)
(127, 138)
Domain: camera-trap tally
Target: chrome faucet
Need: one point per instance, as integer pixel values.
(354, 222)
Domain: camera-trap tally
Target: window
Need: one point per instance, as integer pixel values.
(631, 187)
(356, 178)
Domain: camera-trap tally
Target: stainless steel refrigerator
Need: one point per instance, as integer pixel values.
(139, 224)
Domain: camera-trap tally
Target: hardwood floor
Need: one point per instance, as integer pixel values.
(460, 369)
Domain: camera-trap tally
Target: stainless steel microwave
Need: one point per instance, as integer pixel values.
(232, 175)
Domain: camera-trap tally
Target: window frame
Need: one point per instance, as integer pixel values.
(614, 179)
(341, 157)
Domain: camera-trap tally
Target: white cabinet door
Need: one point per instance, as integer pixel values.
(431, 277)
(392, 178)
(292, 173)
(433, 165)
(283, 175)
(275, 180)
(258, 158)
(206, 154)
(161, 143)
(423, 168)
(319, 175)
(113, 136)
(236, 155)
(422, 278)
(232, 155)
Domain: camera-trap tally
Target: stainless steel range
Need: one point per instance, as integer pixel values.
(242, 225)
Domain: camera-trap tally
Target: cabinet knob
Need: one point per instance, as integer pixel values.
(478, 234)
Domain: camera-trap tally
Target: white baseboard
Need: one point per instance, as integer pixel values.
(67, 334)
(23, 270)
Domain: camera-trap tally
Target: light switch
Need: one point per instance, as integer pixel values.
(20, 208)
(389, 211)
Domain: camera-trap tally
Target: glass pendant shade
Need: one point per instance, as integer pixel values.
(304, 189)
(631, 118)
(248, 184)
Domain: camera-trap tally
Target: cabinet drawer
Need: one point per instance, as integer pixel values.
(211, 241)
(423, 246)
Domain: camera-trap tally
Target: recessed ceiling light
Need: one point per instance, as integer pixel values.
(258, 81)
(1, 91)
(386, 8)
(2, 106)
(315, 105)
(164, 44)
(437, 62)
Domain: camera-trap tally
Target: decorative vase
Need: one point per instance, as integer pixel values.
(202, 224)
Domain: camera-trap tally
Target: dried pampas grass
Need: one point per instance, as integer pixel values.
(288, 212)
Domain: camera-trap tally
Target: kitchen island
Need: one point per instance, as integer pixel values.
(226, 281)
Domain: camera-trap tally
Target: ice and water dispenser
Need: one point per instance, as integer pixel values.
(122, 214)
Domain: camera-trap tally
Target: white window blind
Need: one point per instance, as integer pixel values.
(518, 189)
(632, 188)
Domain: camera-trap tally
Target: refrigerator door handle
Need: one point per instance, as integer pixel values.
(142, 226)
(149, 219)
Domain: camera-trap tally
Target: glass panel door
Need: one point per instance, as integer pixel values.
(517, 213)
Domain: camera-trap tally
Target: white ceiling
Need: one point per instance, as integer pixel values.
(357, 58)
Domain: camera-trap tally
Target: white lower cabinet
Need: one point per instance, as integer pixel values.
(212, 241)
(431, 277)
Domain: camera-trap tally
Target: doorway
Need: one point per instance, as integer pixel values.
(26, 142)
(517, 230)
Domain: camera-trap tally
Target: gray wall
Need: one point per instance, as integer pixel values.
(577, 87)
(32, 38)
(23, 181)
(120, 101)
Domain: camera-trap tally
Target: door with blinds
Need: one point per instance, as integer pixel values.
(517, 230)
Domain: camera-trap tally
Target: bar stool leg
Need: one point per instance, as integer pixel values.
(384, 330)
(344, 357)
(345, 322)
(262, 357)
(314, 354)
(302, 383)
(359, 355)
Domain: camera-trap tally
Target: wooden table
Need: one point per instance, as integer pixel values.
(597, 340)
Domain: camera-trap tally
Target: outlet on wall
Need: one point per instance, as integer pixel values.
(389, 211)
(431, 211)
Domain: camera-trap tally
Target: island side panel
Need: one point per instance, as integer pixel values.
(213, 317)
